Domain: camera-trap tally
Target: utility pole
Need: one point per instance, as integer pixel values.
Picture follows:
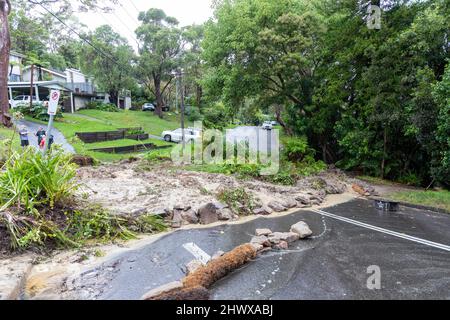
(176, 97)
(182, 109)
(31, 86)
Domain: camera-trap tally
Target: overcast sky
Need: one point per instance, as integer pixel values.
(124, 18)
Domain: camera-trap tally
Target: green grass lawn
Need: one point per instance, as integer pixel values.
(115, 120)
(437, 199)
(95, 121)
(126, 142)
(378, 181)
(5, 135)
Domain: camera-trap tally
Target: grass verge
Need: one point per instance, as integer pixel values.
(436, 199)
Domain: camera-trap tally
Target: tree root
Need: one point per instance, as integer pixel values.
(196, 284)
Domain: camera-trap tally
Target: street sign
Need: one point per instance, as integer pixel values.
(52, 109)
(53, 103)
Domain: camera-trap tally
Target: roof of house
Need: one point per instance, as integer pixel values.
(16, 54)
(52, 71)
(58, 85)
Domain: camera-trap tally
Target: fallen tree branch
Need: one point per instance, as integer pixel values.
(195, 285)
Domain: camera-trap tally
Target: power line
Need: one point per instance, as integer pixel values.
(125, 25)
(117, 30)
(80, 36)
(137, 10)
(135, 19)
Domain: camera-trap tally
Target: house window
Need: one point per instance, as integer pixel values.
(14, 78)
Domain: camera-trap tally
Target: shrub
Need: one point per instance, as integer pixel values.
(194, 115)
(215, 117)
(37, 111)
(37, 206)
(32, 179)
(97, 105)
(410, 179)
(239, 200)
(158, 155)
(295, 149)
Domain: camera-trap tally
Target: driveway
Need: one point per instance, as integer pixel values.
(410, 247)
(57, 135)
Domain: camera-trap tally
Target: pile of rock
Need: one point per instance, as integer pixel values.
(213, 212)
(298, 200)
(209, 213)
(265, 239)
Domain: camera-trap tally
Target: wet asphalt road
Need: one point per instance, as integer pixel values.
(331, 265)
(258, 138)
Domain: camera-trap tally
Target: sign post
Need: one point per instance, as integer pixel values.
(52, 109)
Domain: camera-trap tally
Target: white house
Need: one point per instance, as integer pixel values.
(78, 88)
(15, 66)
(43, 74)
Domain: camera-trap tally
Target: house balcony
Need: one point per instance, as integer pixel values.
(14, 78)
(81, 88)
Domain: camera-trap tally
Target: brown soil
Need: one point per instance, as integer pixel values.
(129, 189)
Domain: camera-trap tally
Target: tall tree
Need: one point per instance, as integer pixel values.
(266, 49)
(5, 47)
(110, 61)
(160, 51)
(193, 62)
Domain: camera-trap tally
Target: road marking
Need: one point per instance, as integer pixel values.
(197, 252)
(382, 230)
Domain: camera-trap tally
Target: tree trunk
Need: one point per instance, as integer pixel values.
(199, 95)
(5, 47)
(383, 161)
(280, 120)
(113, 97)
(159, 101)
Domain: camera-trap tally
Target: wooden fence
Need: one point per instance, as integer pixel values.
(92, 137)
(130, 149)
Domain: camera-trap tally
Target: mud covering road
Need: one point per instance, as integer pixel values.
(331, 265)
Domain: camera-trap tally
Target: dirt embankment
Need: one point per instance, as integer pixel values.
(128, 189)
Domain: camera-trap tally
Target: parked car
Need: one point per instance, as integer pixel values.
(148, 107)
(177, 135)
(152, 107)
(267, 125)
(21, 100)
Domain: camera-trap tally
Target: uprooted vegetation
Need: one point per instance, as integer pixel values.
(38, 207)
(239, 200)
(296, 161)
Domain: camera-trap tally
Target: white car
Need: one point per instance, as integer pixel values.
(20, 100)
(177, 135)
(267, 125)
